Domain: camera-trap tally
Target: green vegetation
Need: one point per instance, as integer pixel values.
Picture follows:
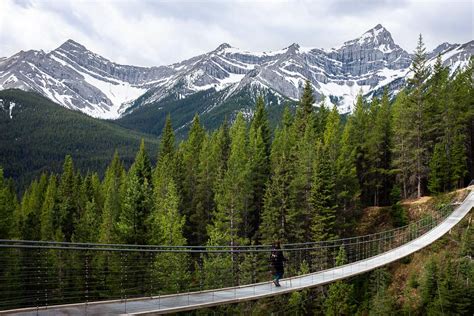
(41, 134)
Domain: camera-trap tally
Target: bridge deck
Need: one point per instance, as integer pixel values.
(195, 300)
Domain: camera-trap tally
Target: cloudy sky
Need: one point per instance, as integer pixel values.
(146, 32)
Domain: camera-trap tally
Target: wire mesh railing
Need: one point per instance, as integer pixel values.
(45, 273)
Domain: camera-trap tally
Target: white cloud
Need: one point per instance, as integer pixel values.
(162, 32)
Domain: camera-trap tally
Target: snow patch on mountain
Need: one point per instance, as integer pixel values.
(118, 92)
(12, 105)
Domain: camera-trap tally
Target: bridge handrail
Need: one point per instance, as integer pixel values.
(6, 243)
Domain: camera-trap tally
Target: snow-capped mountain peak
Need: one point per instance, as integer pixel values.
(71, 45)
(82, 80)
(376, 38)
(222, 47)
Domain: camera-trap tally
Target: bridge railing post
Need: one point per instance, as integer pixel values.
(38, 278)
(86, 280)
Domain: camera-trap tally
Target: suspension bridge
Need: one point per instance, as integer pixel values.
(55, 278)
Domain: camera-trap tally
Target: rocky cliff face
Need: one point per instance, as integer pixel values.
(79, 79)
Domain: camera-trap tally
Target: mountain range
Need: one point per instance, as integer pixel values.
(218, 83)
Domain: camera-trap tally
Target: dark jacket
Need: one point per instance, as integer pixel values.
(276, 260)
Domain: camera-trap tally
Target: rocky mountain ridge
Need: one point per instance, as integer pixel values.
(81, 80)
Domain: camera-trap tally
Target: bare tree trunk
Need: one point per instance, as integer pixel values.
(419, 186)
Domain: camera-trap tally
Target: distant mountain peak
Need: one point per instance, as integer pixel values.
(223, 46)
(377, 37)
(378, 27)
(293, 48)
(378, 34)
(72, 45)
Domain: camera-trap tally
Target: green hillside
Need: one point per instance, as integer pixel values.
(209, 104)
(40, 133)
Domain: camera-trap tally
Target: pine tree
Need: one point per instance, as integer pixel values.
(429, 284)
(439, 176)
(299, 217)
(304, 118)
(259, 152)
(8, 203)
(204, 197)
(167, 142)
(307, 100)
(30, 223)
(459, 125)
(136, 203)
(320, 117)
(379, 152)
(276, 201)
(347, 185)
(111, 188)
(419, 124)
(68, 198)
(381, 302)
(191, 149)
(230, 222)
(323, 196)
(332, 134)
(166, 228)
(86, 227)
(50, 216)
(218, 270)
(402, 138)
(260, 120)
(358, 126)
(340, 294)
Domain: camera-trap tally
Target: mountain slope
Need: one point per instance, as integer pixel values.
(212, 106)
(79, 79)
(37, 133)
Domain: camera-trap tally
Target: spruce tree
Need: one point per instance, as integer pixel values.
(68, 198)
(379, 152)
(190, 150)
(323, 196)
(276, 201)
(320, 117)
(230, 223)
(259, 152)
(260, 120)
(439, 176)
(111, 189)
(358, 126)
(232, 197)
(7, 206)
(167, 142)
(259, 173)
(347, 185)
(204, 197)
(402, 114)
(299, 217)
(87, 227)
(50, 220)
(166, 228)
(304, 118)
(307, 100)
(136, 204)
(419, 121)
(340, 294)
(30, 224)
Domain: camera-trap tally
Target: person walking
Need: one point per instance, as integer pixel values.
(276, 260)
